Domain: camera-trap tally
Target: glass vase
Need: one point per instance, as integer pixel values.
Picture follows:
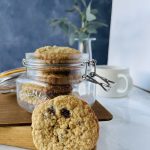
(85, 46)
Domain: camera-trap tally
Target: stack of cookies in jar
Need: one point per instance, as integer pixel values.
(51, 71)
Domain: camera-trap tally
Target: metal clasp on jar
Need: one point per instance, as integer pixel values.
(89, 76)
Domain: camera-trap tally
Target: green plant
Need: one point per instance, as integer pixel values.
(89, 22)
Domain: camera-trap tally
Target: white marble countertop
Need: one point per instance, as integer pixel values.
(130, 127)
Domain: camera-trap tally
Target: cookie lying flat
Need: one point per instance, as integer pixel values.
(34, 93)
(47, 88)
(57, 54)
(60, 79)
(64, 123)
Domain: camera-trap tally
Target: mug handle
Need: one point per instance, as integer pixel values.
(126, 83)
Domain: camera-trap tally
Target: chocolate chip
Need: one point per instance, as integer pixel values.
(79, 122)
(57, 138)
(68, 127)
(51, 110)
(64, 112)
(66, 131)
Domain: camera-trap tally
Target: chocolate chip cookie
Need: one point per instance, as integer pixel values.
(64, 123)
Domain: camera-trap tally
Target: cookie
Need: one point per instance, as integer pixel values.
(59, 79)
(64, 123)
(56, 54)
(34, 93)
(48, 88)
(57, 76)
(59, 69)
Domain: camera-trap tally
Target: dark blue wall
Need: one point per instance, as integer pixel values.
(24, 26)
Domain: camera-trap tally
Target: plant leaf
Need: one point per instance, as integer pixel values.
(70, 10)
(83, 2)
(96, 24)
(72, 28)
(103, 24)
(54, 22)
(91, 31)
(71, 38)
(77, 9)
(64, 26)
(82, 35)
(89, 15)
(94, 11)
(75, 1)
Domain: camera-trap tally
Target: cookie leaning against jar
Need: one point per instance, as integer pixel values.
(65, 122)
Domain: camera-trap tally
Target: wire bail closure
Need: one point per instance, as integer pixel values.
(106, 84)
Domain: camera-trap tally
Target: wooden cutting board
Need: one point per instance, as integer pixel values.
(18, 136)
(15, 122)
(12, 114)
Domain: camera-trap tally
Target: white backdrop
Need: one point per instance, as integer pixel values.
(130, 39)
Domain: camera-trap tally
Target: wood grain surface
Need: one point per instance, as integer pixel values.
(19, 136)
(12, 114)
(15, 122)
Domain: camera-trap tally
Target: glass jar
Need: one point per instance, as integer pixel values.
(44, 80)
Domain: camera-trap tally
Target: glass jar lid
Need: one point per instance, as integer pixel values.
(74, 61)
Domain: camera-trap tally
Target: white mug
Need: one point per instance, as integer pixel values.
(119, 75)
